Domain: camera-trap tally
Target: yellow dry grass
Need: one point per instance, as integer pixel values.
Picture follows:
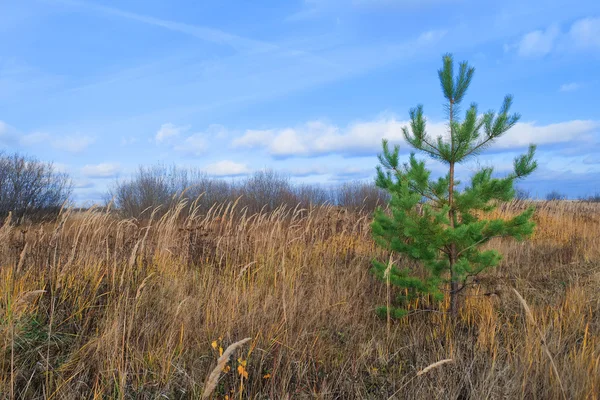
(98, 307)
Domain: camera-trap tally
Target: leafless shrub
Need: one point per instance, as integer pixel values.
(593, 198)
(30, 188)
(164, 187)
(556, 195)
(266, 190)
(360, 195)
(522, 194)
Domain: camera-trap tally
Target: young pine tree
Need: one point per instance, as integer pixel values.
(432, 222)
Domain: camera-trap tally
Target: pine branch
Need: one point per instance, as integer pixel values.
(480, 242)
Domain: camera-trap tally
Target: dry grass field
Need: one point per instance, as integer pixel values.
(97, 307)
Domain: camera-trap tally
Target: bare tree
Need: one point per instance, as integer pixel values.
(151, 187)
(522, 194)
(31, 188)
(360, 195)
(267, 190)
(556, 195)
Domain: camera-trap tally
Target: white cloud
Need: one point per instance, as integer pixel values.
(538, 43)
(168, 131)
(585, 33)
(312, 170)
(201, 32)
(431, 36)
(217, 131)
(103, 170)
(291, 142)
(355, 172)
(364, 138)
(253, 138)
(524, 133)
(337, 172)
(402, 3)
(194, 144)
(83, 184)
(60, 167)
(316, 8)
(128, 140)
(592, 159)
(569, 87)
(318, 138)
(35, 138)
(226, 168)
(7, 133)
(73, 143)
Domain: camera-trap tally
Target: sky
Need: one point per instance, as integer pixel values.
(305, 87)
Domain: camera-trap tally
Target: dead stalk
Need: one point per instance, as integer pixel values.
(213, 378)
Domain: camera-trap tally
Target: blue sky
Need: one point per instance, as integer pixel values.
(306, 87)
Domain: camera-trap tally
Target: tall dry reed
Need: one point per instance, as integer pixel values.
(127, 308)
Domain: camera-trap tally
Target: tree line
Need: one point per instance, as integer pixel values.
(34, 190)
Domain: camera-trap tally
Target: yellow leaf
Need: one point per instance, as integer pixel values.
(266, 376)
(242, 371)
(220, 351)
(214, 344)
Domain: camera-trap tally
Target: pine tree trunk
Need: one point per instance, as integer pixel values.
(452, 256)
